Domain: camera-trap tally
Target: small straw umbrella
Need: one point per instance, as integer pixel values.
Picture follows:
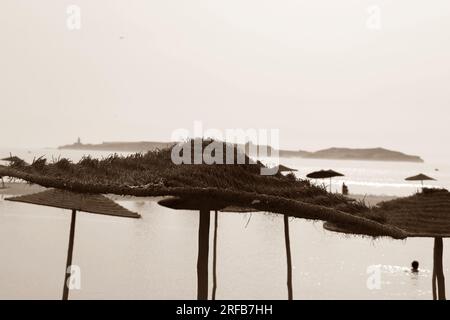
(204, 206)
(420, 177)
(90, 203)
(283, 168)
(203, 240)
(424, 215)
(14, 159)
(11, 158)
(324, 174)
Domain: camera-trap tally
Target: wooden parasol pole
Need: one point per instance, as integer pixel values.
(433, 283)
(288, 256)
(203, 252)
(438, 270)
(213, 297)
(69, 255)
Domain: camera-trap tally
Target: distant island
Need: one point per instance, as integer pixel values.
(371, 154)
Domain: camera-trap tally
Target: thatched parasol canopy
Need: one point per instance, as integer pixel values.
(420, 177)
(324, 174)
(425, 214)
(239, 185)
(11, 159)
(15, 161)
(191, 203)
(91, 203)
(283, 168)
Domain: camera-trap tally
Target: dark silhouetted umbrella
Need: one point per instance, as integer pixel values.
(420, 177)
(15, 160)
(282, 168)
(91, 203)
(324, 174)
(11, 159)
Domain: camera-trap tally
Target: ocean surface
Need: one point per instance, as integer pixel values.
(155, 257)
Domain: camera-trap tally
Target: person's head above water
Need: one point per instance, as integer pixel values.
(415, 266)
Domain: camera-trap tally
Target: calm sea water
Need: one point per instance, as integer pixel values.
(155, 257)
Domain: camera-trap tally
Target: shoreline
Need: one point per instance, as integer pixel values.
(372, 200)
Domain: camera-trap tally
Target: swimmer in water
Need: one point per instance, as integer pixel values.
(415, 266)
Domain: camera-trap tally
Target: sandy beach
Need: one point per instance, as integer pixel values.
(371, 200)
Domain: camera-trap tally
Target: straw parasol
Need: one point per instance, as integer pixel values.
(91, 203)
(420, 177)
(14, 160)
(153, 174)
(324, 174)
(204, 206)
(283, 168)
(425, 214)
(11, 159)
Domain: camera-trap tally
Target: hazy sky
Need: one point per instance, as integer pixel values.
(312, 68)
